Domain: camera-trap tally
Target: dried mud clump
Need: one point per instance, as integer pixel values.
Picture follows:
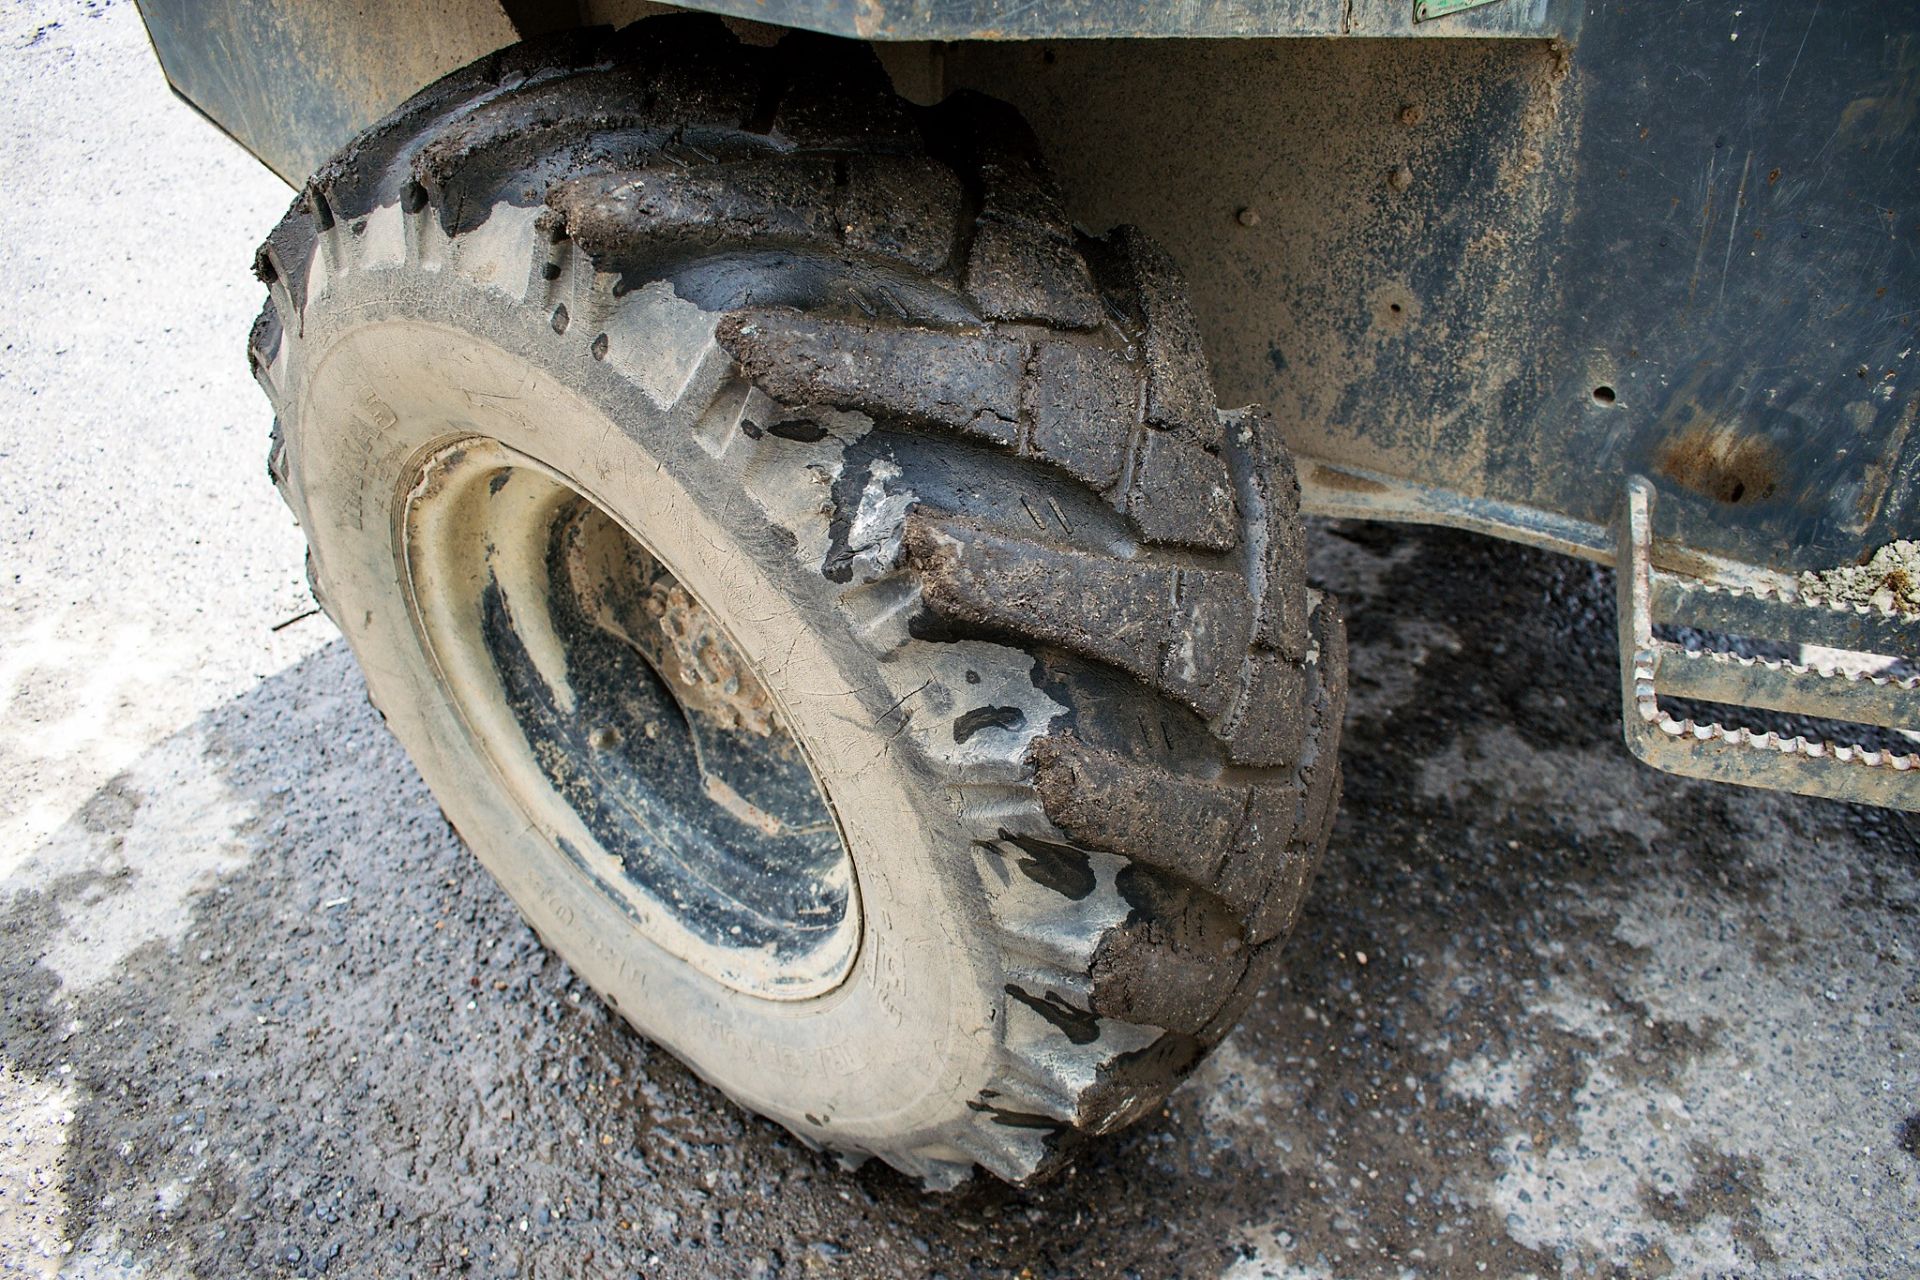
(1890, 580)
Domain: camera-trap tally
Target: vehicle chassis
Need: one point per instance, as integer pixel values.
(1635, 281)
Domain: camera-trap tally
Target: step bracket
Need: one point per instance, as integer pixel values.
(1845, 672)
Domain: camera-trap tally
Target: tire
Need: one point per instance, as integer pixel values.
(1005, 722)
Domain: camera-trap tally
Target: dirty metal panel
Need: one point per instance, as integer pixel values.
(292, 80)
(1490, 279)
(1107, 19)
(1742, 276)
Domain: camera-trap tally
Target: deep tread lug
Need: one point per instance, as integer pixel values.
(1023, 263)
(1181, 495)
(1182, 631)
(1020, 272)
(1175, 960)
(1078, 402)
(1283, 607)
(1104, 801)
(837, 96)
(895, 207)
(263, 342)
(1273, 717)
(968, 383)
(1317, 785)
(1179, 385)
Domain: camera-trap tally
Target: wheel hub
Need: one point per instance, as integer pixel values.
(627, 723)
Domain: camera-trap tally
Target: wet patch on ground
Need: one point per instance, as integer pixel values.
(1546, 1013)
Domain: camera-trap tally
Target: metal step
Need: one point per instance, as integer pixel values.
(1755, 604)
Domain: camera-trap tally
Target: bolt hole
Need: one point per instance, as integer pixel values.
(1603, 394)
(1738, 491)
(1394, 307)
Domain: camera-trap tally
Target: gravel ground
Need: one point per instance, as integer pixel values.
(1548, 1014)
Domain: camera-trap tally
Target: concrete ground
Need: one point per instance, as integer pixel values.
(1548, 1013)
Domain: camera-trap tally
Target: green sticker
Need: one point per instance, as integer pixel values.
(1424, 9)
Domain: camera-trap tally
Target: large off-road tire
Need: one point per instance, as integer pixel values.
(813, 578)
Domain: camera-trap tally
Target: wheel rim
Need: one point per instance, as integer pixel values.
(626, 723)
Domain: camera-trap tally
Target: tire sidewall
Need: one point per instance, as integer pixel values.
(389, 366)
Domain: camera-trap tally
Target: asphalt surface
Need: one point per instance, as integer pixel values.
(1547, 1014)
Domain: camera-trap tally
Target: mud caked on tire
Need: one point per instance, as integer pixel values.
(813, 577)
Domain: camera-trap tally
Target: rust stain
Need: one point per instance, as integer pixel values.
(1721, 462)
(1346, 481)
